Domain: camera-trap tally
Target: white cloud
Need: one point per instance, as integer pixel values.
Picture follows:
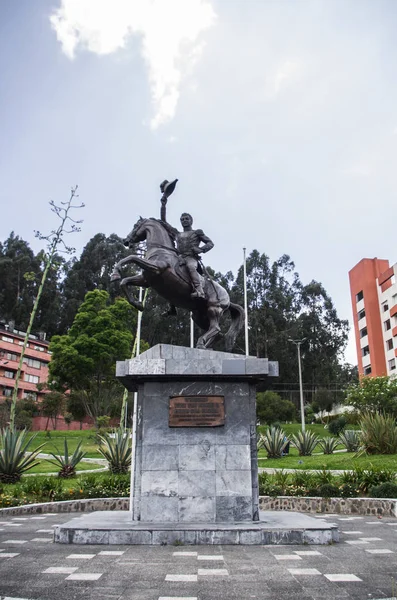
(286, 74)
(169, 32)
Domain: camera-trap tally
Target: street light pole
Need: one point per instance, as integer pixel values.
(298, 345)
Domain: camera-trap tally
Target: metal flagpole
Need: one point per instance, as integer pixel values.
(134, 414)
(245, 305)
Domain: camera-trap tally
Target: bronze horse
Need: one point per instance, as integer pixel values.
(162, 272)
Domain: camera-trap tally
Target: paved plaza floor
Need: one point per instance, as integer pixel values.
(362, 566)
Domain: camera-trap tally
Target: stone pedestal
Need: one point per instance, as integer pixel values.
(195, 474)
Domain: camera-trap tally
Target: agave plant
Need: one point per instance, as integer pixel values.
(67, 462)
(14, 458)
(116, 450)
(274, 441)
(305, 442)
(378, 434)
(328, 444)
(350, 438)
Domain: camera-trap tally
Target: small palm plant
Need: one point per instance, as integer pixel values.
(116, 450)
(350, 438)
(274, 441)
(14, 458)
(305, 442)
(328, 444)
(68, 463)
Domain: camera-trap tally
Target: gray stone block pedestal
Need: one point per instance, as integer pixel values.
(195, 474)
(194, 484)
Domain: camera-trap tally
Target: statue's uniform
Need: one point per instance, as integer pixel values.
(186, 242)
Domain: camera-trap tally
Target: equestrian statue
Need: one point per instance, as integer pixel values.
(173, 268)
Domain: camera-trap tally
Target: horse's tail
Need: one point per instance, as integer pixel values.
(237, 314)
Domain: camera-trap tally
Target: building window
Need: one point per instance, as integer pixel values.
(363, 332)
(31, 378)
(387, 325)
(392, 364)
(30, 395)
(359, 296)
(365, 350)
(21, 344)
(5, 338)
(7, 392)
(9, 374)
(31, 362)
(39, 348)
(361, 315)
(385, 306)
(389, 344)
(394, 299)
(10, 356)
(368, 370)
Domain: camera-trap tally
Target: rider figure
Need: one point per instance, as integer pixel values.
(188, 246)
(187, 241)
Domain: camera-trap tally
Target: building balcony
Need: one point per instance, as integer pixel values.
(393, 310)
(394, 331)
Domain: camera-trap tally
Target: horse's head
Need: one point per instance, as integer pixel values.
(137, 234)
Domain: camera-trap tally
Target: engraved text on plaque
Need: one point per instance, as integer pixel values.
(197, 411)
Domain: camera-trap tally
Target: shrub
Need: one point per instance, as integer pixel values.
(328, 444)
(270, 408)
(281, 479)
(350, 438)
(348, 490)
(322, 477)
(328, 490)
(302, 479)
(385, 490)
(378, 434)
(274, 441)
(305, 442)
(102, 422)
(65, 461)
(337, 425)
(14, 460)
(117, 451)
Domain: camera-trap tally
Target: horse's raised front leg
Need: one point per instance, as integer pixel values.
(135, 281)
(137, 260)
(208, 338)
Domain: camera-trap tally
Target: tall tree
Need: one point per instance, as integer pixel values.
(84, 359)
(19, 270)
(91, 272)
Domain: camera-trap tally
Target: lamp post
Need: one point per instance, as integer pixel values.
(298, 345)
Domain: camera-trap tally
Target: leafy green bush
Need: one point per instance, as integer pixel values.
(337, 425)
(274, 441)
(378, 434)
(305, 442)
(328, 490)
(385, 490)
(322, 477)
(270, 408)
(302, 479)
(14, 459)
(350, 438)
(328, 444)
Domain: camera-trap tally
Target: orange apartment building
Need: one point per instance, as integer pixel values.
(35, 367)
(373, 291)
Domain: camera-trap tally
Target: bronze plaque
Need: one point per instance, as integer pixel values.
(197, 411)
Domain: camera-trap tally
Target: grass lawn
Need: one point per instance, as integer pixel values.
(56, 438)
(46, 467)
(343, 460)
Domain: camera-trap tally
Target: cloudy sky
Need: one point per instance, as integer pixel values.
(279, 117)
